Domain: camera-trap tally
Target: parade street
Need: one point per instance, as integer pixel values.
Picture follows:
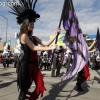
(56, 90)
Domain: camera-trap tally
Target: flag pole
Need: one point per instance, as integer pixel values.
(58, 27)
(60, 19)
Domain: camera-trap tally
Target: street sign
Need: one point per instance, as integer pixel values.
(9, 40)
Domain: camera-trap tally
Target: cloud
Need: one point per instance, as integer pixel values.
(87, 12)
(83, 3)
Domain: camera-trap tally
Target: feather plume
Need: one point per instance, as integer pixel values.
(24, 10)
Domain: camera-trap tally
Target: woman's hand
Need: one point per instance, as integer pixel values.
(54, 47)
(94, 41)
(58, 31)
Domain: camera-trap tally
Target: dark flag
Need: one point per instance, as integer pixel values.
(74, 39)
(98, 39)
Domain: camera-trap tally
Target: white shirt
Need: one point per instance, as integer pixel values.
(5, 50)
(67, 53)
(98, 58)
(45, 53)
(18, 49)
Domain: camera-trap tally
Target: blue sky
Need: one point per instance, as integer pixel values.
(87, 11)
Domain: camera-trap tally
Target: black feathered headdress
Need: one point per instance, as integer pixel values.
(24, 10)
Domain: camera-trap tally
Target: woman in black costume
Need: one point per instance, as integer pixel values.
(28, 70)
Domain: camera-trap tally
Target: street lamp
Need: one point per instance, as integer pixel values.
(6, 25)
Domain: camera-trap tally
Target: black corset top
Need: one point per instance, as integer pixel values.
(27, 50)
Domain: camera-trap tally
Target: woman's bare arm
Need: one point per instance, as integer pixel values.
(92, 51)
(47, 43)
(92, 45)
(25, 39)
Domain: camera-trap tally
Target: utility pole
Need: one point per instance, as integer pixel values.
(6, 25)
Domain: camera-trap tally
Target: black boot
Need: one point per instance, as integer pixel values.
(21, 96)
(79, 88)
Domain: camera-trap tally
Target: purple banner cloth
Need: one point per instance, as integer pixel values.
(75, 40)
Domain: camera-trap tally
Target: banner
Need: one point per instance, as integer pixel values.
(59, 41)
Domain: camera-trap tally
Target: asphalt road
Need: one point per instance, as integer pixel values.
(56, 90)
